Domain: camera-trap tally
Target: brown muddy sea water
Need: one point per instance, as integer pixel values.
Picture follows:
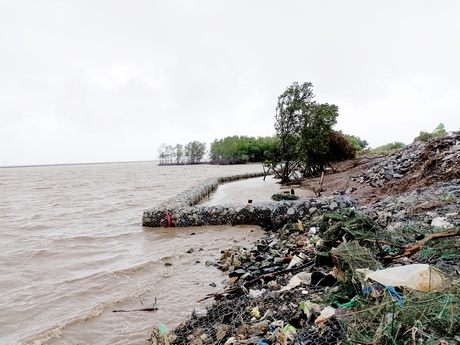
(73, 249)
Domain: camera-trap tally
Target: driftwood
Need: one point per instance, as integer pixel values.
(320, 187)
(266, 172)
(250, 282)
(416, 247)
(154, 308)
(131, 310)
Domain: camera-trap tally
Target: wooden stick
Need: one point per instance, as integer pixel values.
(416, 247)
(143, 309)
(265, 174)
(130, 310)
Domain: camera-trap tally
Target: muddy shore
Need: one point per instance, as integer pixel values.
(306, 281)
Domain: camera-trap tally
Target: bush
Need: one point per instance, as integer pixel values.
(388, 147)
(425, 136)
(283, 196)
(341, 149)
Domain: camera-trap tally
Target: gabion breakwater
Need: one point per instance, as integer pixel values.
(183, 211)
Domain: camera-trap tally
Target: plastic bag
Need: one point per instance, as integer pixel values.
(298, 279)
(419, 277)
(326, 313)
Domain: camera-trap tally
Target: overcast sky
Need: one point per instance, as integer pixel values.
(102, 81)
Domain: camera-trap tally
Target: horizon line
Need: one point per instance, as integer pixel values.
(64, 164)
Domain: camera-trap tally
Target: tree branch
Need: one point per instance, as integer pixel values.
(416, 247)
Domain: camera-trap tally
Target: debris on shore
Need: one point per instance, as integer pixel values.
(387, 272)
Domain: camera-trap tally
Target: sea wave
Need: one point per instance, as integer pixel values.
(76, 244)
(135, 291)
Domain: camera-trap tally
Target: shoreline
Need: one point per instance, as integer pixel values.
(307, 262)
(314, 259)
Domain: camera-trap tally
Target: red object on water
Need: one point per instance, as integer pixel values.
(168, 219)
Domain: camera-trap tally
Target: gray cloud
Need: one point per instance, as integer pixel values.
(90, 81)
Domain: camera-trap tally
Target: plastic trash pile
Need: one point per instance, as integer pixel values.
(340, 279)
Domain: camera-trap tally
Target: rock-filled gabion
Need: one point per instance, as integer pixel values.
(180, 211)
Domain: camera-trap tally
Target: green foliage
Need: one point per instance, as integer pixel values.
(284, 196)
(316, 132)
(425, 136)
(388, 147)
(292, 104)
(340, 147)
(357, 143)
(167, 154)
(179, 153)
(303, 128)
(195, 151)
(241, 149)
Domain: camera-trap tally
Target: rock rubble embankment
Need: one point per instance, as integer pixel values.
(417, 164)
(423, 182)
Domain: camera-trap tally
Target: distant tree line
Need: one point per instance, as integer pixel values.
(230, 150)
(241, 149)
(304, 144)
(191, 153)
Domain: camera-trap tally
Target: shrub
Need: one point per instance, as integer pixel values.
(341, 149)
(284, 196)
